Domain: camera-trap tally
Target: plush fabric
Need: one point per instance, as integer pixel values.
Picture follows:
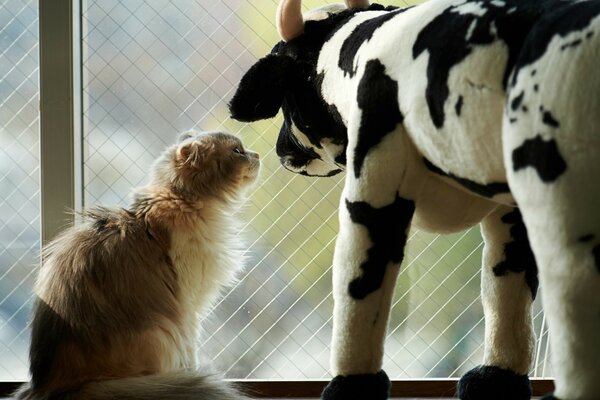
(493, 383)
(358, 387)
(445, 115)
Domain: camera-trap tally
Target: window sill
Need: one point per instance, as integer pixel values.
(313, 388)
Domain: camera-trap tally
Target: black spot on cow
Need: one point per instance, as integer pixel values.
(486, 190)
(452, 35)
(341, 158)
(536, 87)
(459, 105)
(524, 109)
(586, 238)
(387, 227)
(305, 107)
(361, 34)
(541, 155)
(378, 99)
(327, 175)
(518, 256)
(261, 90)
(533, 72)
(574, 43)
(589, 34)
(290, 150)
(562, 19)
(516, 102)
(512, 120)
(548, 119)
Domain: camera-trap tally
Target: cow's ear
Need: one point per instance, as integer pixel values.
(261, 90)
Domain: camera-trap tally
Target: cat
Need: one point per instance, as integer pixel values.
(119, 296)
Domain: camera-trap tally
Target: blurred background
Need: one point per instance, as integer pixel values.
(153, 69)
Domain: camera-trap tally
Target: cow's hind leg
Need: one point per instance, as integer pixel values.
(552, 147)
(563, 221)
(508, 286)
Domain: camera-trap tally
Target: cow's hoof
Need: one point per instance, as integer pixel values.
(493, 383)
(358, 387)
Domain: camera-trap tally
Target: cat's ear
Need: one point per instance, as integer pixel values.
(186, 135)
(261, 90)
(186, 150)
(195, 150)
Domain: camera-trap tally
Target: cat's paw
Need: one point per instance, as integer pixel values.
(493, 383)
(358, 387)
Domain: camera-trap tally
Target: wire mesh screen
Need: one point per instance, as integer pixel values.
(19, 181)
(153, 69)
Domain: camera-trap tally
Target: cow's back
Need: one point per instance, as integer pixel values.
(462, 57)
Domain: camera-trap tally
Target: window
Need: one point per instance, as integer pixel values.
(152, 69)
(19, 180)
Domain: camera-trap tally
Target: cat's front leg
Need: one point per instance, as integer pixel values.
(509, 284)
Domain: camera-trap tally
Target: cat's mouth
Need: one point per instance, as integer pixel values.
(251, 176)
(251, 173)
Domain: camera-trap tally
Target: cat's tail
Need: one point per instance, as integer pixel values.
(179, 385)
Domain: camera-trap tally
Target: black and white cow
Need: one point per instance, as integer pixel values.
(445, 115)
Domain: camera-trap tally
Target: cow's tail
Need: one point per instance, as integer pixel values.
(179, 385)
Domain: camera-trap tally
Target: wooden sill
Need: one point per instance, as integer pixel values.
(313, 388)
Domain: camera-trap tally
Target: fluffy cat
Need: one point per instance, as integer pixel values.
(119, 296)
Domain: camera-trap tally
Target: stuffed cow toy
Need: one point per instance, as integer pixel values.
(445, 115)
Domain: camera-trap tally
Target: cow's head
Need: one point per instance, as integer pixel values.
(313, 138)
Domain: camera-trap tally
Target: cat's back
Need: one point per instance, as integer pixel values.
(102, 265)
(102, 284)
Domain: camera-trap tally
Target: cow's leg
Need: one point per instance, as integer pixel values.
(563, 221)
(508, 286)
(551, 153)
(367, 258)
(374, 220)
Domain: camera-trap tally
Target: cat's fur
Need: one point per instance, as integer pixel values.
(119, 296)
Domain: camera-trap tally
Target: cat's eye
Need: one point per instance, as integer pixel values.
(238, 150)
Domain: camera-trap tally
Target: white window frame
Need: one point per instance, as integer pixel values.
(61, 180)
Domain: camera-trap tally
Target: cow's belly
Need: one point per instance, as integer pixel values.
(442, 204)
(441, 207)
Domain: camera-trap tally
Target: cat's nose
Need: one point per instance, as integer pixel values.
(255, 155)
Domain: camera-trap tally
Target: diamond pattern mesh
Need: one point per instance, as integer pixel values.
(156, 68)
(19, 179)
(153, 69)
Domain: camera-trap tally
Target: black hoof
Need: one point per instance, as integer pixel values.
(358, 387)
(493, 383)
